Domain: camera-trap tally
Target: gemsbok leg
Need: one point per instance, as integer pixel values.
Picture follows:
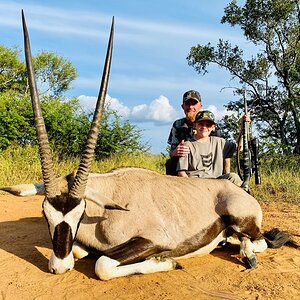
(131, 258)
(79, 251)
(248, 248)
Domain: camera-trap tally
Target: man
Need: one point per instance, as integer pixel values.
(182, 130)
(207, 152)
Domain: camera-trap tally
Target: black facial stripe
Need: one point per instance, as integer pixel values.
(64, 203)
(62, 240)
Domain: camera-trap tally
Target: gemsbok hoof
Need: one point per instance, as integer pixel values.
(250, 263)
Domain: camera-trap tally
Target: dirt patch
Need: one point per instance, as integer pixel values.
(25, 248)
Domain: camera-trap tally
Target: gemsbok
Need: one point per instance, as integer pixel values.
(137, 220)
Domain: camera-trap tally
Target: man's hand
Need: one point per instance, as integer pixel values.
(181, 150)
(245, 118)
(239, 141)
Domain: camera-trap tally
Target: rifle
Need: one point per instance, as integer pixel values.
(250, 163)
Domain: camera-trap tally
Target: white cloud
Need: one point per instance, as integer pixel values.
(118, 106)
(219, 114)
(158, 111)
(87, 102)
(139, 112)
(161, 110)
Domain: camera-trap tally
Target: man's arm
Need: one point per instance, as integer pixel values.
(183, 165)
(177, 136)
(180, 150)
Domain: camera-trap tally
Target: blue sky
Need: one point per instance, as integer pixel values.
(149, 70)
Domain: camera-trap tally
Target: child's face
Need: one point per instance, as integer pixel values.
(204, 128)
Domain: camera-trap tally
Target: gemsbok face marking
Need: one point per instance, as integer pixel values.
(136, 219)
(63, 216)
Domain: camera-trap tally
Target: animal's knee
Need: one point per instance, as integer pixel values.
(79, 251)
(105, 266)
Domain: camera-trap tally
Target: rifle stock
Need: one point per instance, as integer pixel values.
(255, 150)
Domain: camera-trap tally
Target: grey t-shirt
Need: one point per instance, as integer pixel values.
(206, 159)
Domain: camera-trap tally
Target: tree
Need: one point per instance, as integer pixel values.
(230, 127)
(66, 122)
(15, 120)
(67, 125)
(272, 77)
(52, 70)
(12, 70)
(54, 73)
(118, 136)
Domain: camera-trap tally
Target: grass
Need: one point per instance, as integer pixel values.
(280, 175)
(22, 165)
(280, 180)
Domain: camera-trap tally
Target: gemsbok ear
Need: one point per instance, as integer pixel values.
(103, 201)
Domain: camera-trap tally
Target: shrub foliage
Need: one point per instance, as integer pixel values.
(66, 122)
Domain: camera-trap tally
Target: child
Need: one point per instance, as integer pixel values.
(207, 153)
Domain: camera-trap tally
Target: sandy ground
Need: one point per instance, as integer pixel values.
(25, 248)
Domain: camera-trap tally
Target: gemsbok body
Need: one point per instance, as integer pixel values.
(138, 221)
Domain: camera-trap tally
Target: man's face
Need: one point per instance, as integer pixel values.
(191, 107)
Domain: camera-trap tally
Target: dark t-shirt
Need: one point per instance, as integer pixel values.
(180, 131)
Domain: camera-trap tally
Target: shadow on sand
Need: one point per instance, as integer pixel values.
(23, 237)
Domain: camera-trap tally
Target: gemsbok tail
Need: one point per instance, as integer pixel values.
(276, 238)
